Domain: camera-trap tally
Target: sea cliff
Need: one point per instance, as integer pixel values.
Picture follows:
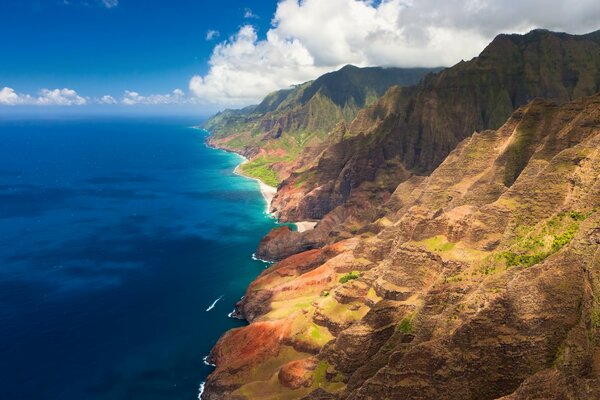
(457, 249)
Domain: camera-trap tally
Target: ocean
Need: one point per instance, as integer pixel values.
(124, 244)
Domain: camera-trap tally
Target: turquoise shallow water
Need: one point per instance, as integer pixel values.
(116, 236)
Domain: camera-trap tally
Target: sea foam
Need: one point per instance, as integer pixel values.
(205, 360)
(200, 390)
(214, 303)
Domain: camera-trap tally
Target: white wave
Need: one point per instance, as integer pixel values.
(261, 260)
(200, 390)
(234, 315)
(205, 360)
(213, 304)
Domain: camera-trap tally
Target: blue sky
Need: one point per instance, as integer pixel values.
(150, 46)
(208, 55)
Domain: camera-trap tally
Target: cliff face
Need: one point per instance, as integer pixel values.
(410, 131)
(478, 281)
(274, 132)
(457, 253)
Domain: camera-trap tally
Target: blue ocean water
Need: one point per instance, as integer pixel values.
(116, 236)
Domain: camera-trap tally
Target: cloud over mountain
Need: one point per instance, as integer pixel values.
(311, 37)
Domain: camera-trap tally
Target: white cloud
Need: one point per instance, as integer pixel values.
(9, 97)
(249, 14)
(107, 100)
(310, 37)
(243, 68)
(110, 3)
(177, 96)
(47, 97)
(69, 97)
(212, 34)
(60, 97)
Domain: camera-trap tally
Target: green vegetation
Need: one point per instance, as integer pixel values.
(405, 326)
(525, 260)
(315, 332)
(532, 246)
(438, 243)
(320, 373)
(343, 313)
(284, 308)
(372, 295)
(289, 120)
(316, 105)
(260, 168)
(579, 216)
(349, 276)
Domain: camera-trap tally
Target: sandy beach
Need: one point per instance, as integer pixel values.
(268, 193)
(304, 226)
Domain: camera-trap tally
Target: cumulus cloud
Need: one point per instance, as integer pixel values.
(177, 96)
(60, 97)
(69, 97)
(243, 68)
(212, 34)
(9, 97)
(107, 99)
(46, 97)
(310, 37)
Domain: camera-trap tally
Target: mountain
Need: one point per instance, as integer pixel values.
(457, 249)
(410, 130)
(482, 282)
(275, 131)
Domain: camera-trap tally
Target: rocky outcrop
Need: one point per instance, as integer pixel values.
(478, 281)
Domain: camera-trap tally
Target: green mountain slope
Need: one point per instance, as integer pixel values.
(288, 120)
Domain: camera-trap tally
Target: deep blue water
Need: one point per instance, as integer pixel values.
(116, 235)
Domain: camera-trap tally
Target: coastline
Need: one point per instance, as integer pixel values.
(268, 192)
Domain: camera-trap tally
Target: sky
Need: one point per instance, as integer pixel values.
(204, 55)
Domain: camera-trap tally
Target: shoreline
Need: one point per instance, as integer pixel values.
(268, 192)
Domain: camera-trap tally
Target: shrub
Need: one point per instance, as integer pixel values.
(526, 260)
(405, 326)
(577, 216)
(564, 238)
(349, 276)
